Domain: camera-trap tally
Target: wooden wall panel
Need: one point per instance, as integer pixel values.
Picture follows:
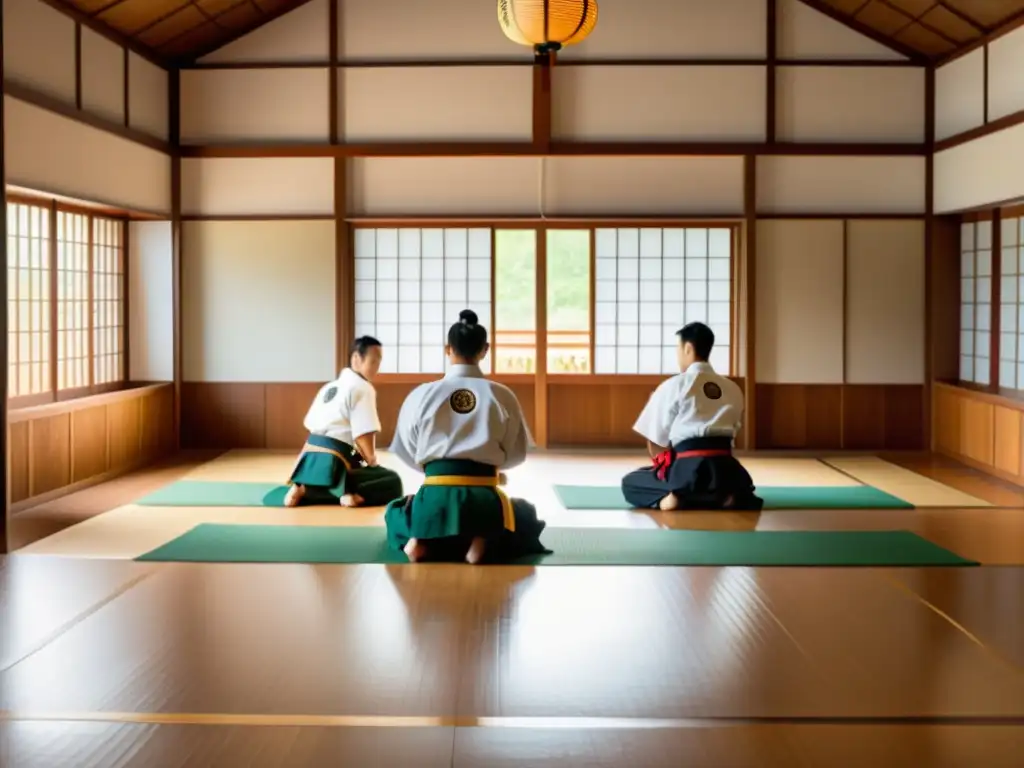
(19, 452)
(799, 416)
(286, 406)
(124, 431)
(59, 448)
(983, 430)
(89, 453)
(223, 415)
(858, 417)
(879, 416)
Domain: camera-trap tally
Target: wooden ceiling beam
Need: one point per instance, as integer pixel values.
(1009, 25)
(239, 33)
(111, 34)
(869, 32)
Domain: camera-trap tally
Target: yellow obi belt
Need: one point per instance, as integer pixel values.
(451, 473)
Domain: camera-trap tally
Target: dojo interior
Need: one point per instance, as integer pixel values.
(207, 200)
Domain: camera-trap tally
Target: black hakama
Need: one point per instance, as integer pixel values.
(701, 472)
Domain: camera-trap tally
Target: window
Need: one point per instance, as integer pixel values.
(568, 300)
(515, 301)
(411, 284)
(975, 301)
(28, 301)
(76, 342)
(108, 301)
(649, 283)
(1011, 304)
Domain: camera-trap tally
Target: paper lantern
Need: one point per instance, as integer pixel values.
(547, 25)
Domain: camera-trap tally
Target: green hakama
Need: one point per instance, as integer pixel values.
(449, 515)
(329, 469)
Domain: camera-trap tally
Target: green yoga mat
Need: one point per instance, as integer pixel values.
(202, 493)
(209, 543)
(775, 497)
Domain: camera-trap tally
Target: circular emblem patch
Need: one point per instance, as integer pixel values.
(712, 391)
(330, 394)
(462, 401)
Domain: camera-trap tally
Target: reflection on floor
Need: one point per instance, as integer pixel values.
(105, 662)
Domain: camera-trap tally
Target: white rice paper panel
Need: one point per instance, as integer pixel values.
(102, 77)
(885, 312)
(271, 186)
(631, 103)
(850, 104)
(254, 104)
(653, 29)
(407, 30)
(799, 302)
(39, 48)
(643, 185)
(804, 33)
(980, 172)
(150, 304)
(1006, 75)
(51, 153)
(960, 95)
(147, 97)
(436, 103)
(452, 186)
(258, 301)
(298, 36)
(788, 184)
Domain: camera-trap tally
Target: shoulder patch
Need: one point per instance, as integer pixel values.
(462, 401)
(330, 394)
(712, 391)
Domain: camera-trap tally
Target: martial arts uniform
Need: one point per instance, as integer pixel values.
(461, 432)
(696, 415)
(330, 466)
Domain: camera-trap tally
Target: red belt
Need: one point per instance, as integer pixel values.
(664, 460)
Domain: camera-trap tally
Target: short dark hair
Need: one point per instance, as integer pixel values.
(700, 336)
(362, 345)
(467, 337)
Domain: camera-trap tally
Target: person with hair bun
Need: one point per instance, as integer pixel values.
(461, 432)
(338, 463)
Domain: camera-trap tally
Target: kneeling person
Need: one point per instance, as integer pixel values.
(462, 431)
(690, 424)
(338, 464)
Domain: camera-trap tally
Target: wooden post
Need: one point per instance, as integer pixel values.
(5, 491)
(174, 133)
(750, 307)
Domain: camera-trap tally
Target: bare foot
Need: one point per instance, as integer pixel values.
(350, 500)
(476, 551)
(294, 496)
(669, 503)
(414, 550)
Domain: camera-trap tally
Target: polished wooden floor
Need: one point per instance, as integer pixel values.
(107, 662)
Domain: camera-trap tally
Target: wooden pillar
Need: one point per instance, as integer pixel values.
(542, 65)
(5, 491)
(750, 306)
(344, 259)
(174, 134)
(771, 55)
(540, 432)
(930, 256)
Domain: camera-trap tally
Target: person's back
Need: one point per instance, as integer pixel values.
(690, 424)
(463, 416)
(461, 431)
